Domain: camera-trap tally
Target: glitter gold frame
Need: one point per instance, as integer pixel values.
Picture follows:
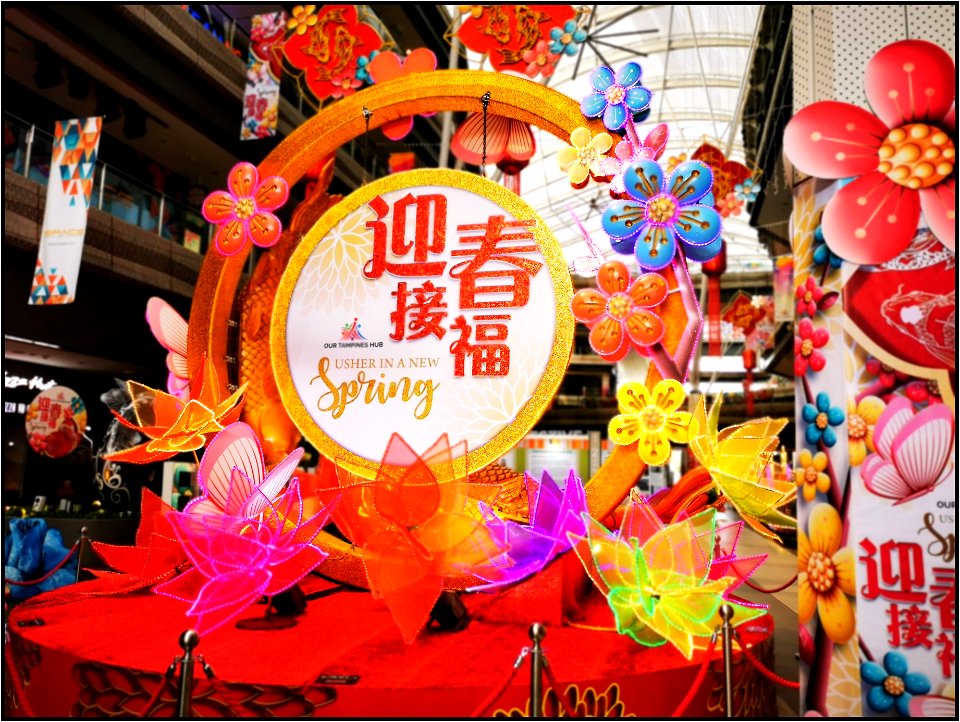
(337, 124)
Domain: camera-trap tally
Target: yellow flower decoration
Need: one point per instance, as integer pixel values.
(674, 160)
(861, 418)
(826, 575)
(304, 18)
(584, 154)
(810, 476)
(651, 419)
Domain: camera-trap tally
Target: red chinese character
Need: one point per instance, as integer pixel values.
(429, 236)
(496, 245)
(424, 312)
(943, 596)
(900, 571)
(947, 654)
(489, 359)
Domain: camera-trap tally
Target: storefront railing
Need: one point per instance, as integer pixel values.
(27, 150)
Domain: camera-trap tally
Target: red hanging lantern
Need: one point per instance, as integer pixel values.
(713, 269)
(749, 364)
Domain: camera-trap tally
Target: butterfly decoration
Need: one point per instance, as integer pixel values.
(737, 459)
(663, 582)
(170, 329)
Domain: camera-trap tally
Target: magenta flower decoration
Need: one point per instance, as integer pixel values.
(720, 547)
(232, 475)
(629, 151)
(903, 158)
(805, 347)
(914, 451)
(540, 61)
(924, 392)
(616, 97)
(812, 298)
(243, 212)
(238, 561)
(554, 511)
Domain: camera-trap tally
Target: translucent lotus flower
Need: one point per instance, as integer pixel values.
(914, 451)
(616, 97)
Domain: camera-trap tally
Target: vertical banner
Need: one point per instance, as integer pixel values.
(783, 294)
(75, 144)
(261, 99)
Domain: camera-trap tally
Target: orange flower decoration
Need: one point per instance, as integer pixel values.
(619, 313)
(414, 526)
(388, 66)
(173, 425)
(243, 212)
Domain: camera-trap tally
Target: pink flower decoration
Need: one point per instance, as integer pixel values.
(233, 478)
(905, 156)
(887, 376)
(730, 205)
(540, 61)
(628, 152)
(344, 85)
(236, 561)
(243, 212)
(924, 392)
(812, 298)
(387, 66)
(805, 347)
(914, 451)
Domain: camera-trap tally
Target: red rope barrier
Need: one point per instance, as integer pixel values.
(484, 709)
(771, 591)
(707, 658)
(49, 574)
(19, 693)
(164, 683)
(556, 688)
(772, 676)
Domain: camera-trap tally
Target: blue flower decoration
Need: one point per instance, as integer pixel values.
(616, 96)
(661, 211)
(821, 251)
(747, 191)
(362, 72)
(894, 685)
(567, 40)
(821, 419)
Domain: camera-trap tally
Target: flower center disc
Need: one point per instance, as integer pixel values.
(857, 427)
(661, 209)
(653, 419)
(894, 686)
(810, 475)
(806, 348)
(614, 95)
(820, 572)
(244, 208)
(917, 155)
(619, 306)
(822, 421)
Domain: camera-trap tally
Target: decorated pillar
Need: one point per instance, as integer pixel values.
(872, 142)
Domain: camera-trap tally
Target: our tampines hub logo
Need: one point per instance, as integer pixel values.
(351, 337)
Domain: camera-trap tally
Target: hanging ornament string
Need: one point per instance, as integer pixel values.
(367, 114)
(485, 100)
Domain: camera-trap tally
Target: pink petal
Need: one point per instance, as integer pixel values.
(928, 706)
(264, 228)
(834, 140)
(908, 81)
(923, 447)
(883, 480)
(820, 335)
(236, 447)
(168, 326)
(386, 66)
(939, 206)
(398, 129)
(818, 361)
(272, 193)
(898, 412)
(242, 180)
(273, 484)
(225, 596)
(656, 140)
(291, 571)
(218, 207)
(871, 220)
(420, 60)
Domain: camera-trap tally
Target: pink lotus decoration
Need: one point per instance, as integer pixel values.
(232, 475)
(914, 451)
(903, 158)
(237, 561)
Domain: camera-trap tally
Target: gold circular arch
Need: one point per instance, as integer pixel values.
(332, 127)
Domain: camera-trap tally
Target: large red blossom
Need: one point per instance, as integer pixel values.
(904, 156)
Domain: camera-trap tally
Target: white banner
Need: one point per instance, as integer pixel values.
(75, 146)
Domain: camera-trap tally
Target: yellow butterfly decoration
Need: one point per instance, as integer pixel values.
(737, 459)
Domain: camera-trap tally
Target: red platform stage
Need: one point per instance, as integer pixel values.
(97, 656)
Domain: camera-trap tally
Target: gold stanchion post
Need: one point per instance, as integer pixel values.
(537, 633)
(726, 614)
(80, 547)
(188, 642)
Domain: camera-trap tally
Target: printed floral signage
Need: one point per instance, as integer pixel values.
(431, 301)
(56, 420)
